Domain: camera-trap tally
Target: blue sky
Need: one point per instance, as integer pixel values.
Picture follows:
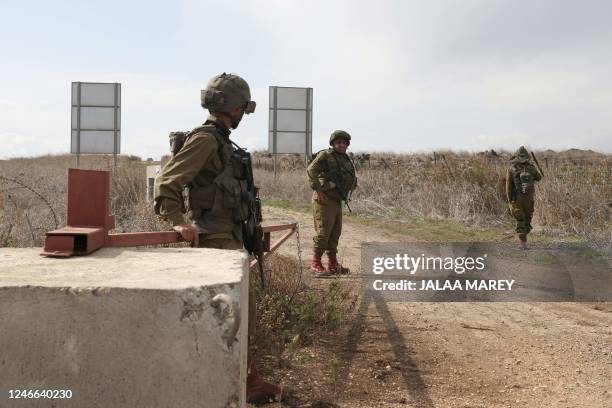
(398, 75)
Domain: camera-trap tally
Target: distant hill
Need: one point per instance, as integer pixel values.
(573, 154)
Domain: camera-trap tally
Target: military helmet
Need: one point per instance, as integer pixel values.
(520, 156)
(225, 93)
(339, 134)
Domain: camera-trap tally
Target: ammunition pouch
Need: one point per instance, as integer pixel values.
(338, 177)
(199, 199)
(523, 179)
(234, 185)
(239, 162)
(527, 182)
(227, 192)
(233, 196)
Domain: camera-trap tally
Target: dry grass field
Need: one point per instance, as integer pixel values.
(575, 196)
(33, 196)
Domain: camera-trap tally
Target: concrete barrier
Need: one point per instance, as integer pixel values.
(164, 327)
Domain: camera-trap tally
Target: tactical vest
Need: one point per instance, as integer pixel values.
(524, 181)
(339, 171)
(216, 200)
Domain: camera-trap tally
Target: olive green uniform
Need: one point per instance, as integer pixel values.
(521, 194)
(201, 181)
(334, 174)
(207, 179)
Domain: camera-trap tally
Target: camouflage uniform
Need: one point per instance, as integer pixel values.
(334, 174)
(205, 180)
(199, 179)
(186, 184)
(520, 190)
(328, 214)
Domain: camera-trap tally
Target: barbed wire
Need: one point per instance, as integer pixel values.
(39, 195)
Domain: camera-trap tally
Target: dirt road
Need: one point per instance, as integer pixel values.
(451, 354)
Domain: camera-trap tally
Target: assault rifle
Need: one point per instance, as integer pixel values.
(537, 164)
(333, 177)
(252, 233)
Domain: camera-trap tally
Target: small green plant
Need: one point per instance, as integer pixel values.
(291, 314)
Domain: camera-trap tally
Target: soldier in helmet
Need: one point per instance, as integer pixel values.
(332, 177)
(520, 192)
(203, 169)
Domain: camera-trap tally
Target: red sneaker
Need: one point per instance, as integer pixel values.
(317, 269)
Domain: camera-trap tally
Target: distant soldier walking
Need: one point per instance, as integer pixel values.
(332, 177)
(520, 192)
(207, 167)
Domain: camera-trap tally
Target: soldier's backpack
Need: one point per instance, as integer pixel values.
(177, 140)
(314, 156)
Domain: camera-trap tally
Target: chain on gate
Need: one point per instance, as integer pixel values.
(298, 244)
(299, 247)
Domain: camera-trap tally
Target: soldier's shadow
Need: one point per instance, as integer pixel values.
(408, 368)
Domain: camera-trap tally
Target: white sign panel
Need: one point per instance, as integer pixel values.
(290, 120)
(96, 118)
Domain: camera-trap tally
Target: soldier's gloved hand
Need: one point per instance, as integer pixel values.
(321, 196)
(188, 232)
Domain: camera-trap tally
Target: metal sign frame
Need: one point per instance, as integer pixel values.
(274, 108)
(75, 143)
